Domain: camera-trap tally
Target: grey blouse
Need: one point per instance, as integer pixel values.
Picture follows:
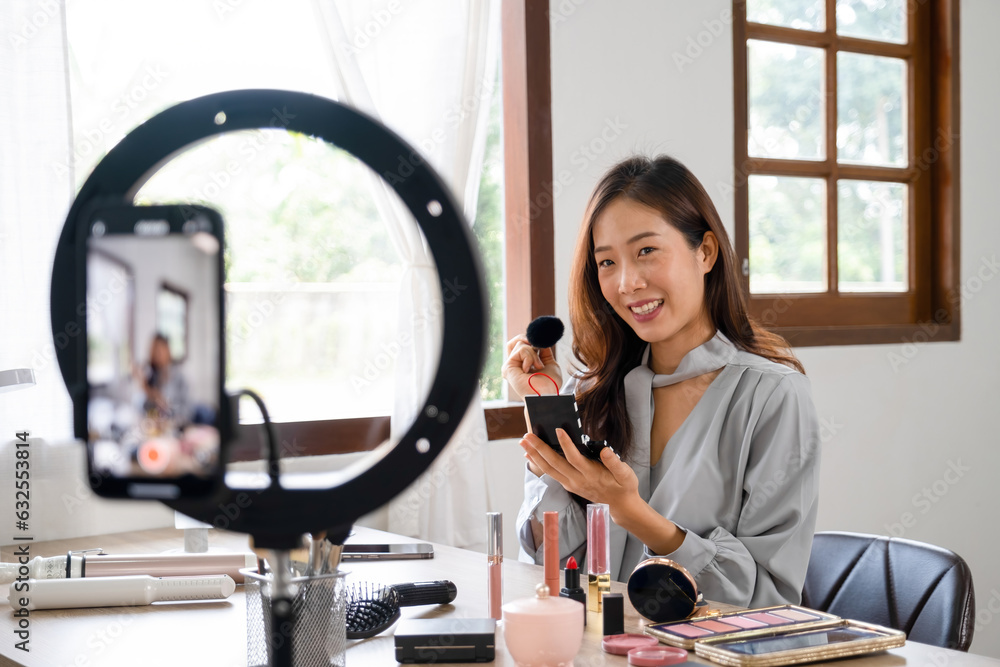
(740, 477)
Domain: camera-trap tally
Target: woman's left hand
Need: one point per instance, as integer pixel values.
(611, 481)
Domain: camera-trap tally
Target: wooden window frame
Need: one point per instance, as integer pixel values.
(930, 310)
(529, 256)
(183, 295)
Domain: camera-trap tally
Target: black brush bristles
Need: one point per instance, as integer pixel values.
(545, 331)
(370, 610)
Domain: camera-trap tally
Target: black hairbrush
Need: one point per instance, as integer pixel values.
(372, 608)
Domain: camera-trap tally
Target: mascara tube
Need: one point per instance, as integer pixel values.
(494, 563)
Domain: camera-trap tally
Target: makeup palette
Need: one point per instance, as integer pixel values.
(740, 625)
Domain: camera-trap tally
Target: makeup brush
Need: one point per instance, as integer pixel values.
(333, 547)
(544, 331)
(372, 608)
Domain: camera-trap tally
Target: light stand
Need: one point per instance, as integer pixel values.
(277, 516)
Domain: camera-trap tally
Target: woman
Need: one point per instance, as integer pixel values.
(710, 415)
(166, 391)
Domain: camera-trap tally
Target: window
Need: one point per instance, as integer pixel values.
(847, 168)
(120, 78)
(172, 320)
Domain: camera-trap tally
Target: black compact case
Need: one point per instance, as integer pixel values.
(547, 413)
(446, 640)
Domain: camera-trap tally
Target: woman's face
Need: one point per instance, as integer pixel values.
(159, 355)
(649, 275)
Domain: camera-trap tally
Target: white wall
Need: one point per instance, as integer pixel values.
(619, 85)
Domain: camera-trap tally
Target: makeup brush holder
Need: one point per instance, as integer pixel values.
(319, 608)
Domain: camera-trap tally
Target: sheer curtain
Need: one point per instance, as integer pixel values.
(36, 189)
(428, 71)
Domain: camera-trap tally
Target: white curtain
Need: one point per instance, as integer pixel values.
(36, 189)
(428, 71)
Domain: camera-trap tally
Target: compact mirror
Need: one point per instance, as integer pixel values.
(662, 590)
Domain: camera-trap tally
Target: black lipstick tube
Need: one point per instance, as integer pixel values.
(573, 590)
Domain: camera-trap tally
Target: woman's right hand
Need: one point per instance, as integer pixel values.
(523, 361)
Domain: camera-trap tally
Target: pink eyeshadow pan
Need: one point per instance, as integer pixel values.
(714, 626)
(769, 619)
(687, 630)
(794, 614)
(744, 622)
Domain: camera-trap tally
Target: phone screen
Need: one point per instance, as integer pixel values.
(387, 551)
(154, 349)
(799, 640)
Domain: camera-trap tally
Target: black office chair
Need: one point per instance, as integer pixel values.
(924, 590)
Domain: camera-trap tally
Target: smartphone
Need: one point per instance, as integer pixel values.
(154, 410)
(387, 551)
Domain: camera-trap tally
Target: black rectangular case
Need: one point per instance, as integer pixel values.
(446, 640)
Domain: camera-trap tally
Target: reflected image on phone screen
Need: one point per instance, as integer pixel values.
(153, 345)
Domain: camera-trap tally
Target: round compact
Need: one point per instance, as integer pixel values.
(662, 590)
(622, 644)
(656, 657)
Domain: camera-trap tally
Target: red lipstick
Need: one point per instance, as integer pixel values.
(572, 589)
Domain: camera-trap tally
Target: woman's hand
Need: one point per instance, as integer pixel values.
(611, 481)
(523, 361)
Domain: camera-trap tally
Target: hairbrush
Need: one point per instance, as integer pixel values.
(372, 608)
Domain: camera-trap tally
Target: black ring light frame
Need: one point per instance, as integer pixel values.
(276, 517)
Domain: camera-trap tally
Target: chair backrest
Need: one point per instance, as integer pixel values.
(924, 590)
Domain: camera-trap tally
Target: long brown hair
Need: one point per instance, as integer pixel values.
(607, 347)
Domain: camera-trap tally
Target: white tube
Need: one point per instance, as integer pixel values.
(116, 591)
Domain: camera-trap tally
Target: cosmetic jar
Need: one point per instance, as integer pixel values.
(662, 590)
(543, 631)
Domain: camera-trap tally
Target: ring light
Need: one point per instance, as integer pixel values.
(277, 516)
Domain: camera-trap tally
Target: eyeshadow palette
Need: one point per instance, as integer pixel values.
(740, 625)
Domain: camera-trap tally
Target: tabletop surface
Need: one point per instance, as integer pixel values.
(214, 633)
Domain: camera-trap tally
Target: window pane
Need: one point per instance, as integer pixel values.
(786, 101)
(489, 230)
(871, 118)
(312, 274)
(120, 79)
(883, 20)
(787, 234)
(800, 14)
(872, 236)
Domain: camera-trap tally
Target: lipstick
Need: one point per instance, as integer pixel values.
(551, 546)
(598, 554)
(494, 563)
(572, 589)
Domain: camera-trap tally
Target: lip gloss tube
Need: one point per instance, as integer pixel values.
(494, 563)
(598, 554)
(551, 547)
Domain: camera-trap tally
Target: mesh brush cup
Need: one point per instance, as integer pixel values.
(319, 609)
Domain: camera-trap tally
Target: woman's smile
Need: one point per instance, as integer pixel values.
(644, 311)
